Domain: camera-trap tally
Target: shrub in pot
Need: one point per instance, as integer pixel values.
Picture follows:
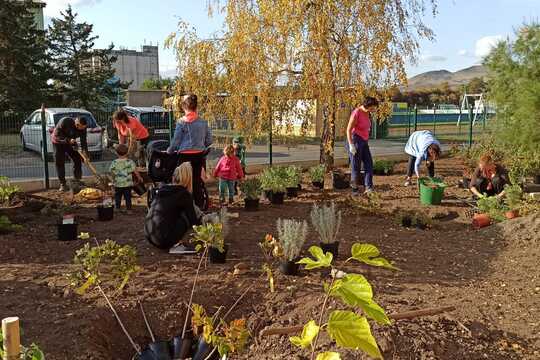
(278, 188)
(383, 167)
(292, 175)
(493, 207)
(326, 221)
(316, 173)
(211, 236)
(265, 178)
(512, 199)
(251, 188)
(292, 235)
(422, 221)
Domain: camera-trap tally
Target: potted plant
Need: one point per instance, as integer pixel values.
(277, 185)
(405, 218)
(326, 221)
(292, 235)
(422, 221)
(316, 174)
(383, 167)
(491, 209)
(105, 210)
(512, 200)
(251, 188)
(292, 176)
(211, 237)
(265, 178)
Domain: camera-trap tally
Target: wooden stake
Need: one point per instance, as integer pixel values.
(12, 338)
(398, 316)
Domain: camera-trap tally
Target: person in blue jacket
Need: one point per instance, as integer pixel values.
(422, 146)
(192, 134)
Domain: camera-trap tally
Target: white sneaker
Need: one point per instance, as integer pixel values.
(182, 250)
(407, 183)
(369, 191)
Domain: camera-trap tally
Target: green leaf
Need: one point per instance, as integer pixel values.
(355, 290)
(309, 333)
(321, 259)
(352, 331)
(369, 254)
(328, 355)
(87, 284)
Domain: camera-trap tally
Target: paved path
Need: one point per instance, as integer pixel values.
(256, 155)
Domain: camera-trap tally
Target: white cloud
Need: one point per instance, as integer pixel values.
(54, 7)
(432, 58)
(463, 52)
(485, 44)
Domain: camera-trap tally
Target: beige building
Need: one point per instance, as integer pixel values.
(137, 66)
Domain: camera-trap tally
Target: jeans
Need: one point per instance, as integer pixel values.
(226, 186)
(497, 185)
(363, 155)
(124, 192)
(60, 151)
(412, 161)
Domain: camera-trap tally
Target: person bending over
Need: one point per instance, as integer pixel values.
(422, 146)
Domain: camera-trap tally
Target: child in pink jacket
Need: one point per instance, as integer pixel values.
(228, 170)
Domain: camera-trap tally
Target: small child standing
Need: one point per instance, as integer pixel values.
(228, 170)
(122, 170)
(240, 153)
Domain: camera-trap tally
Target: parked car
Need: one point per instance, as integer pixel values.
(155, 119)
(31, 131)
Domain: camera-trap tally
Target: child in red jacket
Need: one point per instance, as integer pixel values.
(228, 170)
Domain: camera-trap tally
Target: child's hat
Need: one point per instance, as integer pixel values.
(237, 140)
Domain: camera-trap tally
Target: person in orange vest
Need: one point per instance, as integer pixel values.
(130, 126)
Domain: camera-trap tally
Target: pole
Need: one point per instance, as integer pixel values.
(415, 118)
(171, 117)
(459, 122)
(434, 118)
(12, 338)
(470, 125)
(44, 150)
(270, 141)
(484, 119)
(408, 121)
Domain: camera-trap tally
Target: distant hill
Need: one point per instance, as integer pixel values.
(433, 79)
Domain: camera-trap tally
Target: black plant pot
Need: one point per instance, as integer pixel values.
(318, 184)
(139, 189)
(292, 192)
(217, 257)
(159, 350)
(289, 267)
(277, 198)
(204, 350)
(268, 194)
(406, 222)
(331, 248)
(67, 232)
(251, 204)
(421, 226)
(105, 213)
(182, 348)
(537, 179)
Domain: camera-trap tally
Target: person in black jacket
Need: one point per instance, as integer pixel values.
(64, 139)
(172, 212)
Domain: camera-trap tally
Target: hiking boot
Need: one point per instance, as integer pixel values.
(63, 188)
(407, 183)
(369, 191)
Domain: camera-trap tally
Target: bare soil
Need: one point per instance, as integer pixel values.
(490, 275)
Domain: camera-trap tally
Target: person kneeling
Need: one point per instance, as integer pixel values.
(172, 212)
(489, 178)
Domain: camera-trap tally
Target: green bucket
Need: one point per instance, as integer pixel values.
(431, 191)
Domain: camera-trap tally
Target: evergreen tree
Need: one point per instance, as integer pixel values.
(81, 71)
(24, 67)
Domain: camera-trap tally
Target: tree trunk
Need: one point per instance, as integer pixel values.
(328, 135)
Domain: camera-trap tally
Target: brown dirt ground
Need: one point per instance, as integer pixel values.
(491, 276)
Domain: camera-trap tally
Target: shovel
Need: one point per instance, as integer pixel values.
(102, 181)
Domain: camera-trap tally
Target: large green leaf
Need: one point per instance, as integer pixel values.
(369, 254)
(310, 331)
(355, 290)
(328, 355)
(321, 259)
(352, 331)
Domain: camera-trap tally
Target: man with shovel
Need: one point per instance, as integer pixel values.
(64, 140)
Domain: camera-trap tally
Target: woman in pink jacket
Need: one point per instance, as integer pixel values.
(228, 170)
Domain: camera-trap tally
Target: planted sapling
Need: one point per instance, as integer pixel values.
(251, 188)
(326, 221)
(316, 173)
(6, 226)
(7, 191)
(347, 328)
(33, 352)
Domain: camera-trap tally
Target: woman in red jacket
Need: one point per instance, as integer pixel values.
(128, 126)
(228, 170)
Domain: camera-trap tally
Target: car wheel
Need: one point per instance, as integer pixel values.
(23, 143)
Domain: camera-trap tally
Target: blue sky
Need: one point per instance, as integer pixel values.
(465, 29)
